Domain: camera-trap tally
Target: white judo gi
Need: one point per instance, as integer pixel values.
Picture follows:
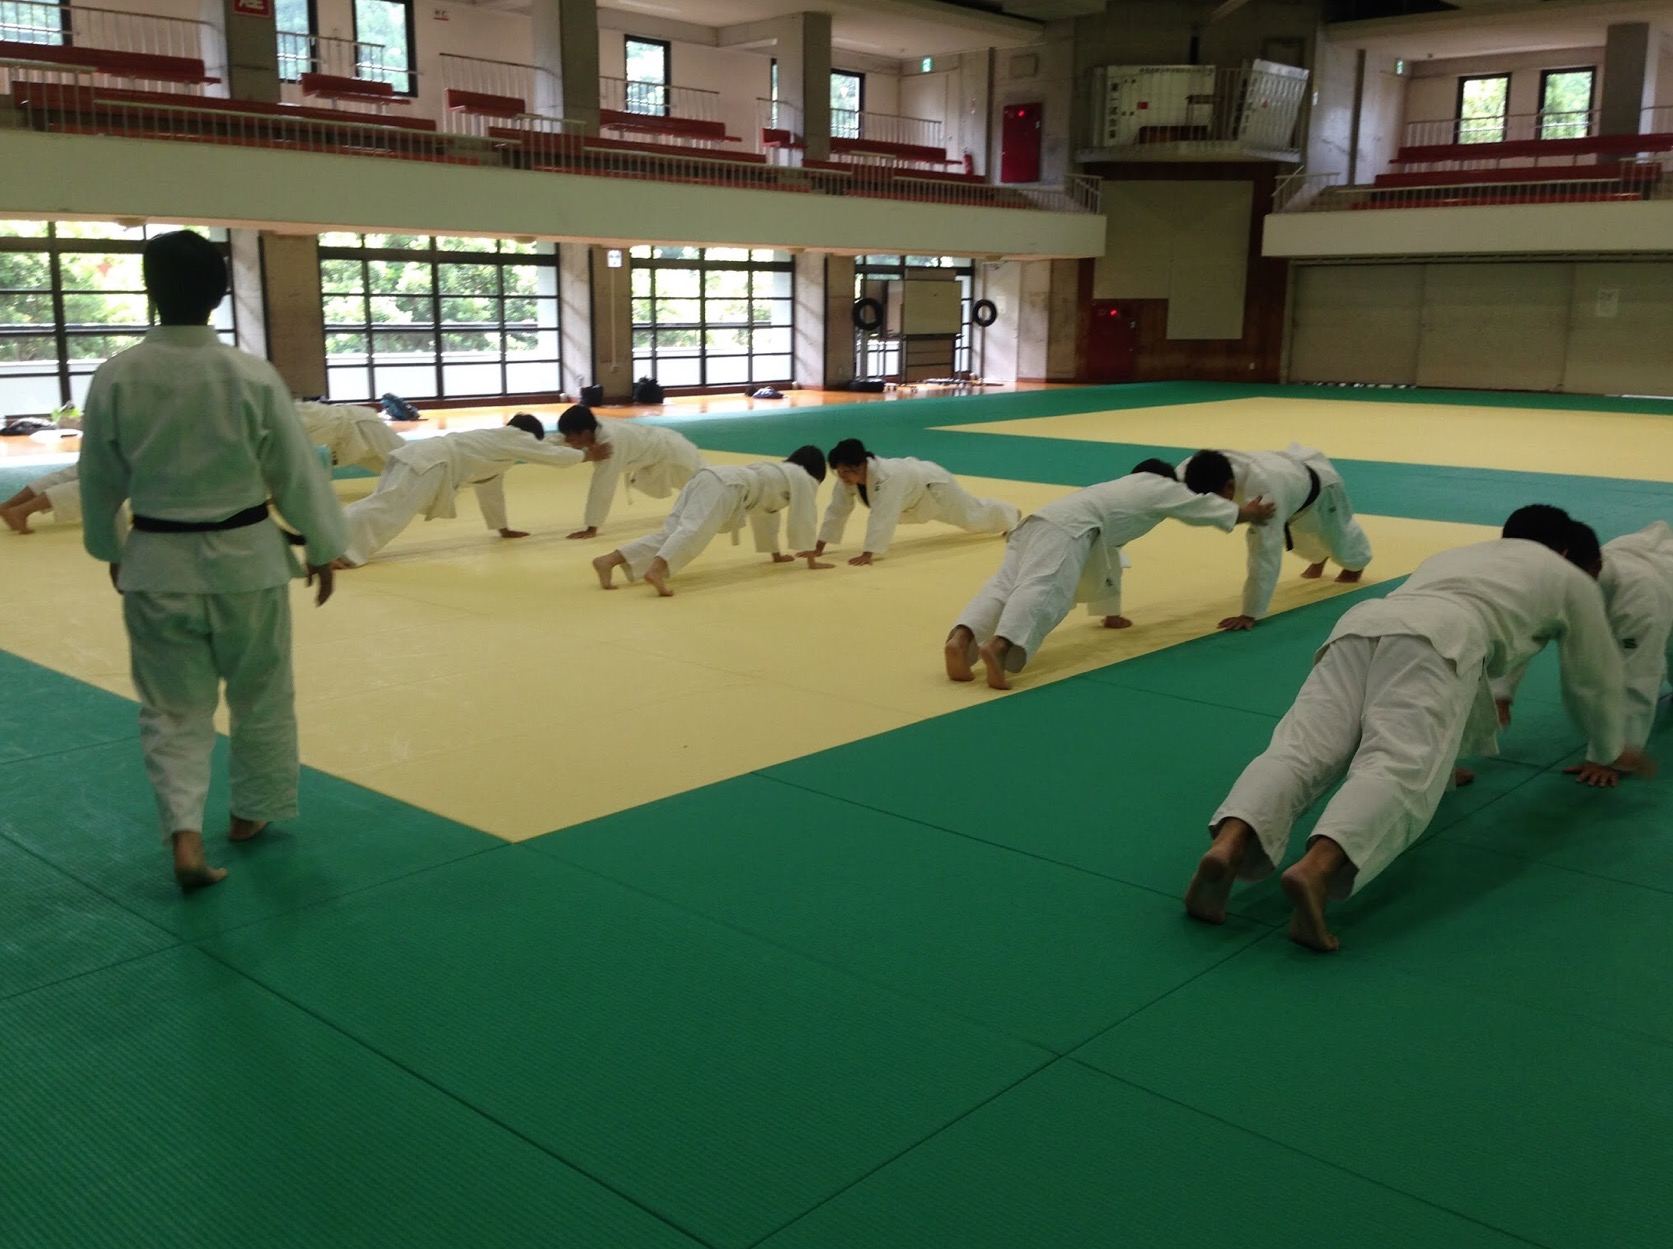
(912, 492)
(1324, 529)
(648, 458)
(1637, 585)
(63, 493)
(355, 435)
(720, 498)
(425, 475)
(190, 431)
(1403, 685)
(1070, 551)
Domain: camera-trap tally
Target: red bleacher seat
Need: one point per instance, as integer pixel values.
(337, 87)
(71, 101)
(882, 147)
(772, 136)
(484, 104)
(656, 123)
(1535, 149)
(1624, 174)
(145, 66)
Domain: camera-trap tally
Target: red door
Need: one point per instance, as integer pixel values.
(1019, 143)
(1111, 344)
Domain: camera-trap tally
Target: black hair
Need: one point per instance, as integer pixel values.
(1541, 523)
(577, 419)
(186, 276)
(810, 458)
(849, 453)
(1583, 549)
(1160, 467)
(1208, 472)
(529, 423)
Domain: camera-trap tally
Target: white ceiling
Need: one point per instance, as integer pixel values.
(1490, 27)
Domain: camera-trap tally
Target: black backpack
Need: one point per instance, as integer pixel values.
(647, 390)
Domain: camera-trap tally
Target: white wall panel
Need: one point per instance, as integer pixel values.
(1494, 326)
(1355, 323)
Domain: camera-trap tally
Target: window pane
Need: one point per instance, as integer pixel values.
(100, 309)
(23, 395)
(102, 271)
(772, 369)
(772, 312)
(1481, 113)
(731, 283)
(647, 61)
(775, 341)
(384, 23)
(1565, 111)
(25, 310)
(726, 370)
(411, 382)
(726, 253)
(342, 385)
(471, 343)
(678, 311)
(468, 279)
(345, 309)
(454, 243)
(19, 348)
(340, 275)
(729, 312)
(532, 345)
(470, 379)
(726, 342)
(23, 229)
(455, 311)
(531, 378)
(90, 350)
(687, 372)
(847, 94)
(403, 342)
(338, 346)
(339, 239)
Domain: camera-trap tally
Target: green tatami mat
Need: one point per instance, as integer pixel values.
(1072, 1159)
(170, 1102)
(53, 927)
(720, 1082)
(1547, 1126)
(1028, 947)
(51, 713)
(91, 813)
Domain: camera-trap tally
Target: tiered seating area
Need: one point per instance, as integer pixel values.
(129, 66)
(1597, 168)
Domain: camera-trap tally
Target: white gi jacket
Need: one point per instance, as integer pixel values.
(1120, 511)
(896, 490)
(353, 433)
(764, 490)
(187, 429)
(649, 458)
(478, 458)
(1489, 608)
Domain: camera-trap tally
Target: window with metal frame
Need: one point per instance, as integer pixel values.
(30, 21)
(1565, 102)
(884, 359)
(439, 318)
(1483, 102)
(848, 101)
(388, 24)
(72, 295)
(648, 74)
(297, 26)
(716, 316)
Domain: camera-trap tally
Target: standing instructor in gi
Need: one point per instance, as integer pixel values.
(197, 437)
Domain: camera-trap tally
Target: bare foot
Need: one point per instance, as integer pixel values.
(657, 576)
(1313, 571)
(957, 654)
(341, 563)
(1117, 622)
(993, 654)
(191, 872)
(1306, 890)
(245, 830)
(1349, 575)
(1211, 888)
(16, 518)
(605, 567)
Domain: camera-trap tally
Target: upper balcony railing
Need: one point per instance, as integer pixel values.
(1158, 112)
(656, 99)
(889, 129)
(479, 94)
(302, 53)
(1503, 128)
(59, 32)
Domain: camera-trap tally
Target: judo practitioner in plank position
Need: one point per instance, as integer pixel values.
(1070, 551)
(904, 490)
(1316, 519)
(356, 436)
(647, 458)
(1635, 573)
(426, 474)
(1399, 689)
(197, 437)
(720, 498)
(58, 492)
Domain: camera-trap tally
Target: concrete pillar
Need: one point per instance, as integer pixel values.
(242, 49)
(803, 52)
(612, 324)
(249, 295)
(565, 38)
(295, 319)
(575, 315)
(1631, 51)
(1048, 321)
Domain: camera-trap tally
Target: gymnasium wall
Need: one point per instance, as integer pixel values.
(1432, 93)
(1584, 327)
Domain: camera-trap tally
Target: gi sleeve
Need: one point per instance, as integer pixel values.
(1641, 624)
(764, 526)
(1266, 548)
(104, 472)
(1593, 677)
(1184, 504)
(602, 492)
(803, 511)
(837, 513)
(552, 454)
(298, 484)
(490, 497)
(886, 506)
(1505, 687)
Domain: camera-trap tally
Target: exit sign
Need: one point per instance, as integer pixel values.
(253, 8)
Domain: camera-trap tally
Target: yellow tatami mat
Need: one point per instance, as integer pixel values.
(495, 683)
(1528, 440)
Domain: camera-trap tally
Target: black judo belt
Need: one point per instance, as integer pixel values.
(238, 520)
(1312, 498)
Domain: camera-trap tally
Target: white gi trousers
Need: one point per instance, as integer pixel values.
(63, 494)
(1031, 593)
(703, 507)
(182, 646)
(378, 519)
(959, 507)
(1328, 530)
(1389, 712)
